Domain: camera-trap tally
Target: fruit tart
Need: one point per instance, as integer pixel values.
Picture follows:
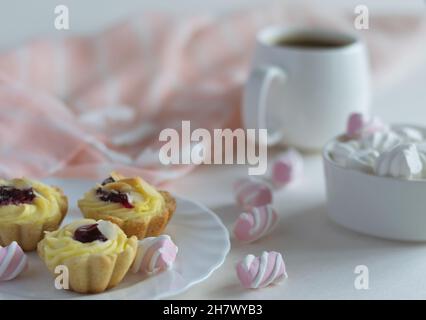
(131, 203)
(98, 254)
(28, 208)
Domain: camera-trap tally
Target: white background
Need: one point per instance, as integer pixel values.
(320, 256)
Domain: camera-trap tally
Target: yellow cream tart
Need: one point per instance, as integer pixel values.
(131, 203)
(97, 254)
(27, 209)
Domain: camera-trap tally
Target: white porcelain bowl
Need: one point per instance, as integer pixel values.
(379, 206)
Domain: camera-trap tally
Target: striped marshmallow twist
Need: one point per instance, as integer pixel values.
(255, 224)
(287, 168)
(154, 254)
(360, 124)
(13, 261)
(251, 192)
(259, 272)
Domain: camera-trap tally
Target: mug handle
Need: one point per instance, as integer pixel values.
(254, 101)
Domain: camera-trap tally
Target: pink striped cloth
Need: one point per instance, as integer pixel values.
(82, 106)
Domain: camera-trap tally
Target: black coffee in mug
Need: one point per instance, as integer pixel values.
(304, 78)
(310, 42)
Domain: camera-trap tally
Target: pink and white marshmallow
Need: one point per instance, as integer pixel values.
(360, 125)
(259, 272)
(154, 254)
(286, 168)
(13, 261)
(252, 192)
(255, 224)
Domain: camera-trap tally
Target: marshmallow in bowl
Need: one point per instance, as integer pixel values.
(381, 140)
(409, 134)
(360, 124)
(421, 148)
(363, 160)
(402, 161)
(397, 151)
(342, 151)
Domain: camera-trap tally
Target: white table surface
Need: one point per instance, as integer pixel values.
(320, 256)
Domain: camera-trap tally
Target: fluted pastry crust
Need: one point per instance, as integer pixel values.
(150, 226)
(94, 272)
(100, 272)
(27, 233)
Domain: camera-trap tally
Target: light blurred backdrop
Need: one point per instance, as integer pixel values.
(23, 19)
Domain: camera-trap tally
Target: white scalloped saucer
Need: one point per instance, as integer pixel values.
(202, 239)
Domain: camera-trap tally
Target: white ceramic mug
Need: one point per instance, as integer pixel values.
(303, 94)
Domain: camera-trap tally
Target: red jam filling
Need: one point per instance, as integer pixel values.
(11, 195)
(114, 196)
(89, 233)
